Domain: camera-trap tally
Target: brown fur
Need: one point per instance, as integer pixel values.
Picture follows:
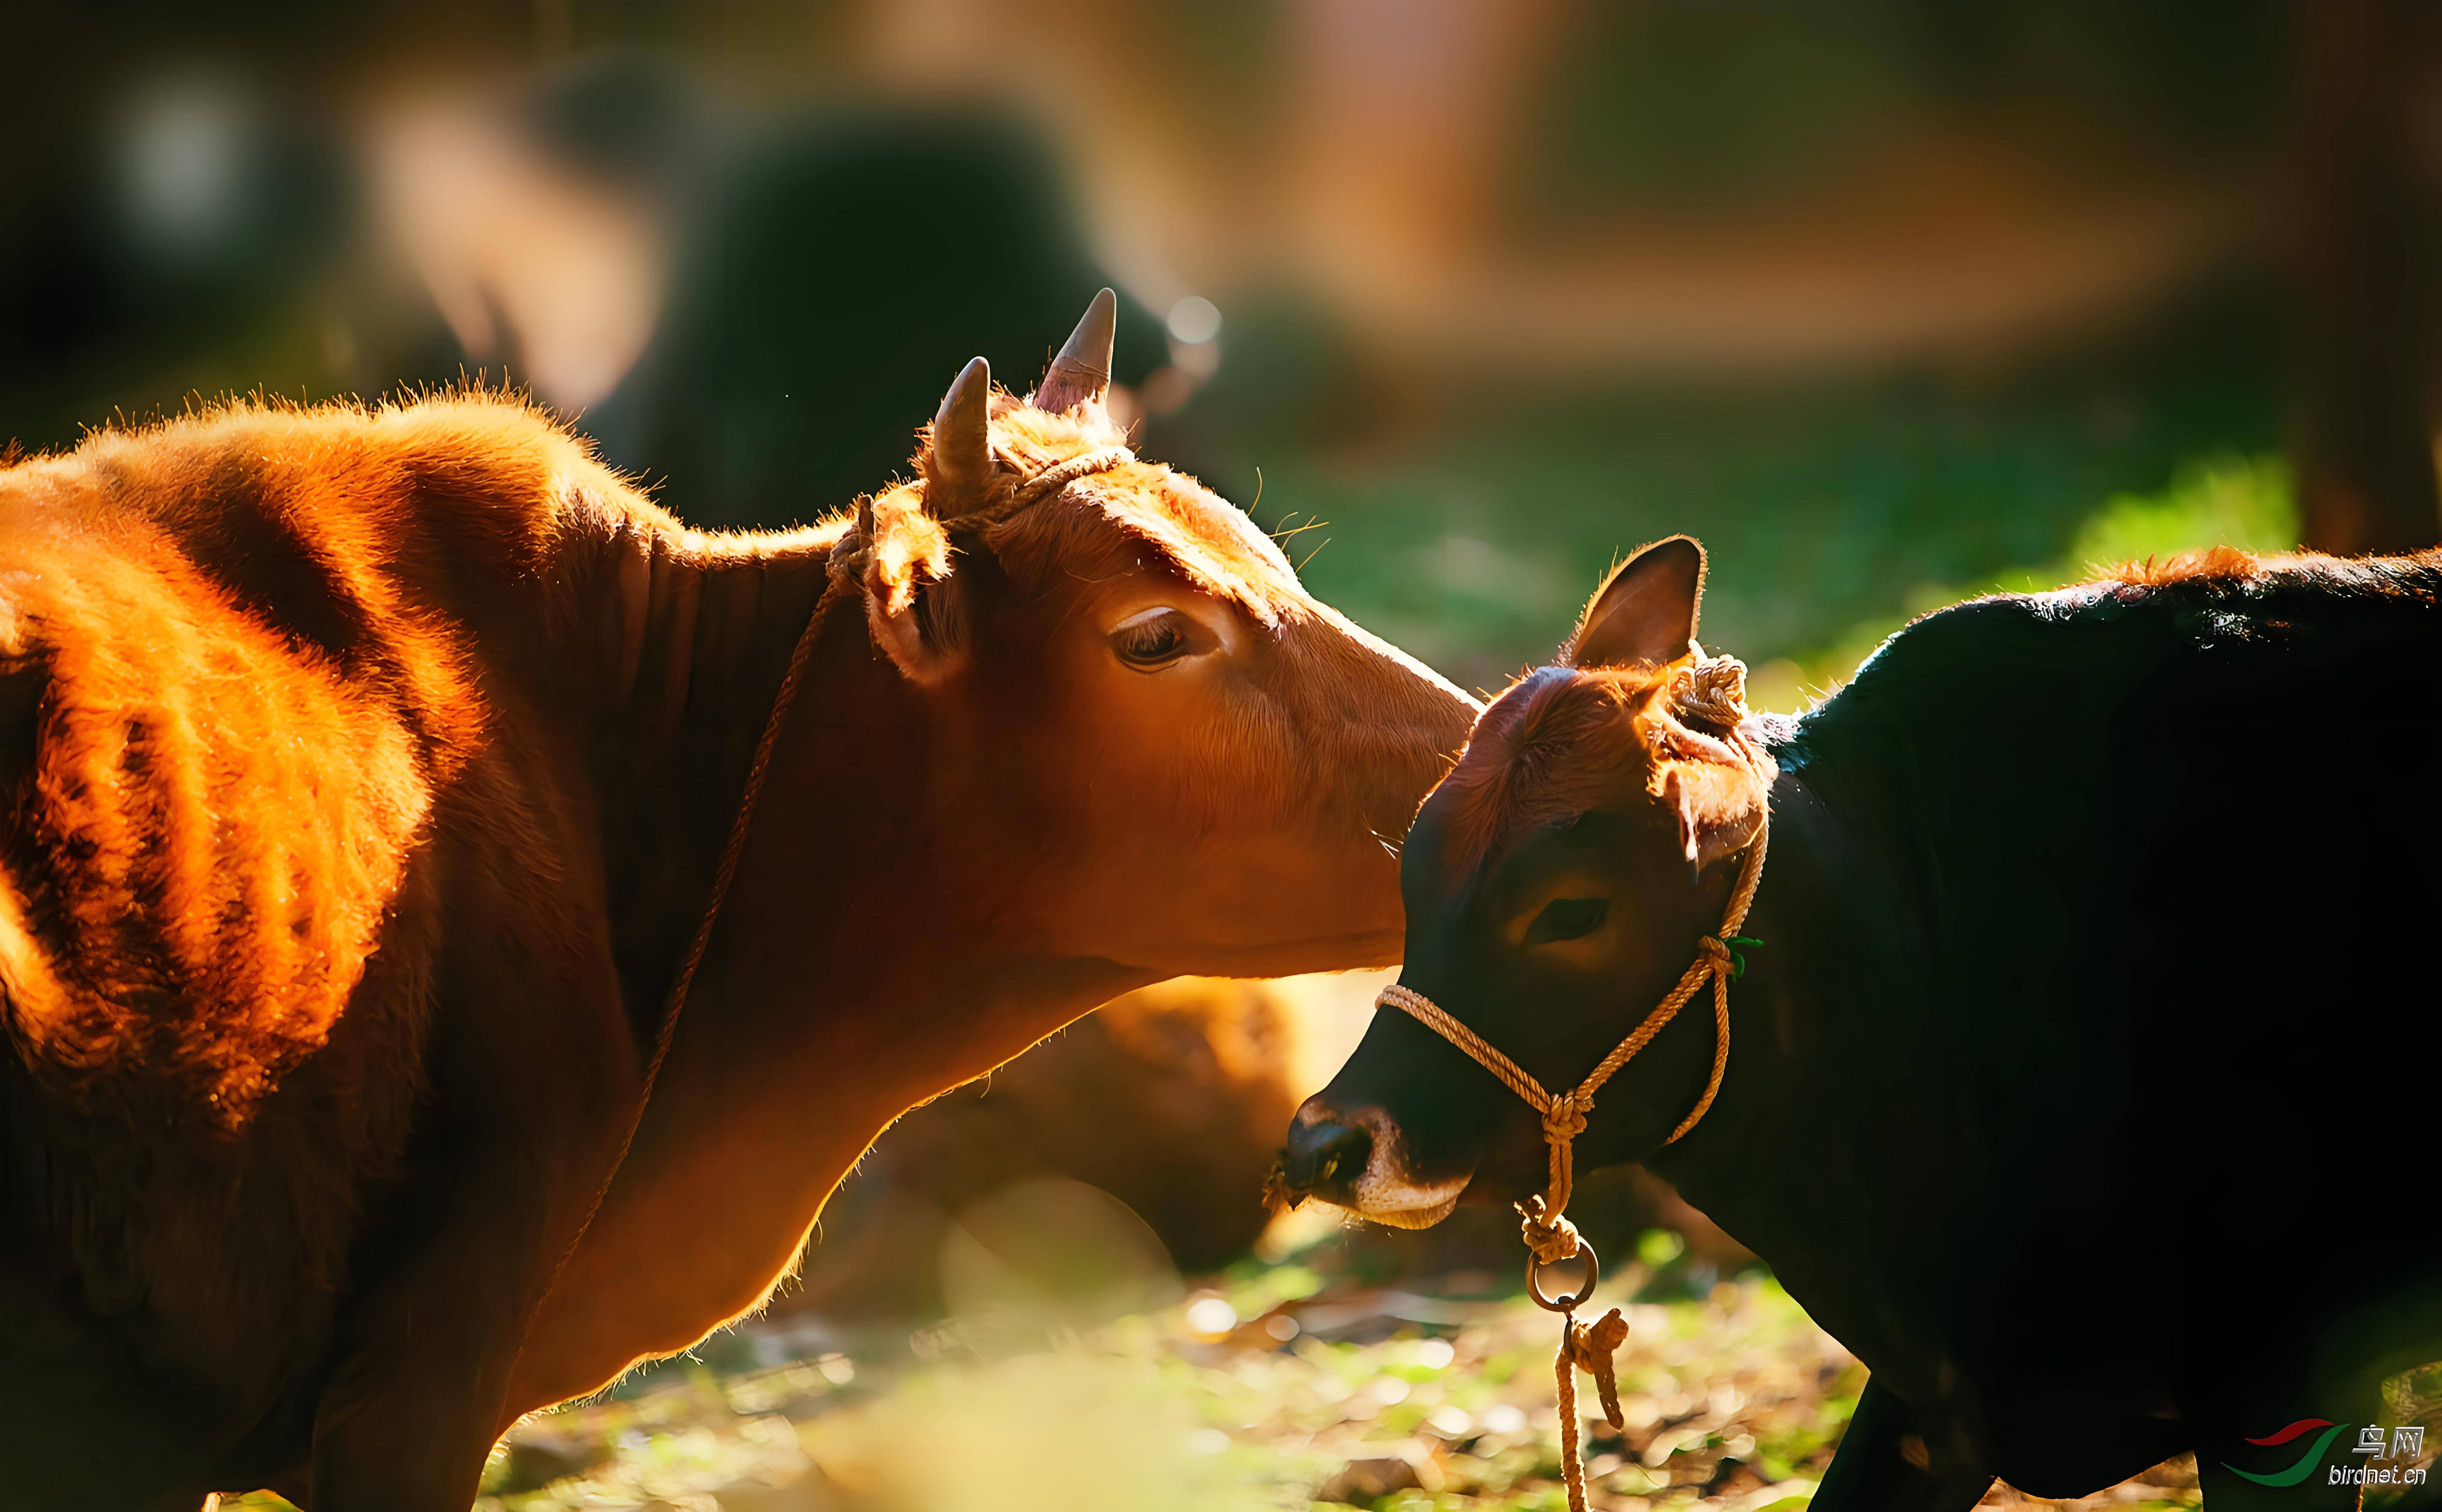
(218, 806)
(1152, 506)
(242, 686)
(2213, 562)
(1563, 740)
(2380, 576)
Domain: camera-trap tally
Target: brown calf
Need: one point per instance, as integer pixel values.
(361, 762)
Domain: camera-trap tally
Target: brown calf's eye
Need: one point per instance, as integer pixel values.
(1567, 919)
(1155, 640)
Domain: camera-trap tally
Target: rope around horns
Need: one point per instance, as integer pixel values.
(1710, 691)
(1012, 491)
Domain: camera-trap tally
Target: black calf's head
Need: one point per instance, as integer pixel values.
(1557, 883)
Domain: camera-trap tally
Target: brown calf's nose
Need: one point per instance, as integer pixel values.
(1324, 1158)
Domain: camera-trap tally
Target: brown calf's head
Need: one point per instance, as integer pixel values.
(1193, 765)
(1557, 885)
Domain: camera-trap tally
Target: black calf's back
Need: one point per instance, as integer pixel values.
(2108, 1147)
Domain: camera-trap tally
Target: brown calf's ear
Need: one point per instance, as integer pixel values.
(915, 605)
(915, 609)
(1646, 611)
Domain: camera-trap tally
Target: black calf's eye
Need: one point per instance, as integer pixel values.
(1567, 919)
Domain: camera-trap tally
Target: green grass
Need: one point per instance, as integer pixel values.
(2231, 500)
(1734, 1402)
(1145, 1411)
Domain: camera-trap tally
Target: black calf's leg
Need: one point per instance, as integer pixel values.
(1889, 1463)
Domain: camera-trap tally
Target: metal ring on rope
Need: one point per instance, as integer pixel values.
(1534, 1268)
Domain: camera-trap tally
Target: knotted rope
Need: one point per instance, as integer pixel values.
(1712, 691)
(1013, 489)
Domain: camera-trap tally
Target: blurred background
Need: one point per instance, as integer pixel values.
(1886, 299)
(1890, 301)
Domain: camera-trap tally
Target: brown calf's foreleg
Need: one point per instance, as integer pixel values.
(542, 1081)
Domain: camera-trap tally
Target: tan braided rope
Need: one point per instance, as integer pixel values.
(845, 567)
(1713, 691)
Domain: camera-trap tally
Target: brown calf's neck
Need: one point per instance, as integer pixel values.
(686, 637)
(858, 967)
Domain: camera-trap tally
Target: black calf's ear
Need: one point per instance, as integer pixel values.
(1718, 809)
(1646, 611)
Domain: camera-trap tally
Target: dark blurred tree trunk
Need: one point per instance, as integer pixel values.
(2367, 263)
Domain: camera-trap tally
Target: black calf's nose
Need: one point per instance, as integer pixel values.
(1323, 1158)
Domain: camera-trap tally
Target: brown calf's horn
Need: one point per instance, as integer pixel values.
(1081, 372)
(959, 458)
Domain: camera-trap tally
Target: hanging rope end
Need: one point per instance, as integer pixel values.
(1592, 1347)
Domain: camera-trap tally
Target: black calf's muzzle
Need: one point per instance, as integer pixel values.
(1324, 1158)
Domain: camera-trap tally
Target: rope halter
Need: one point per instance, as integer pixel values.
(1548, 1232)
(1013, 488)
(1712, 691)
